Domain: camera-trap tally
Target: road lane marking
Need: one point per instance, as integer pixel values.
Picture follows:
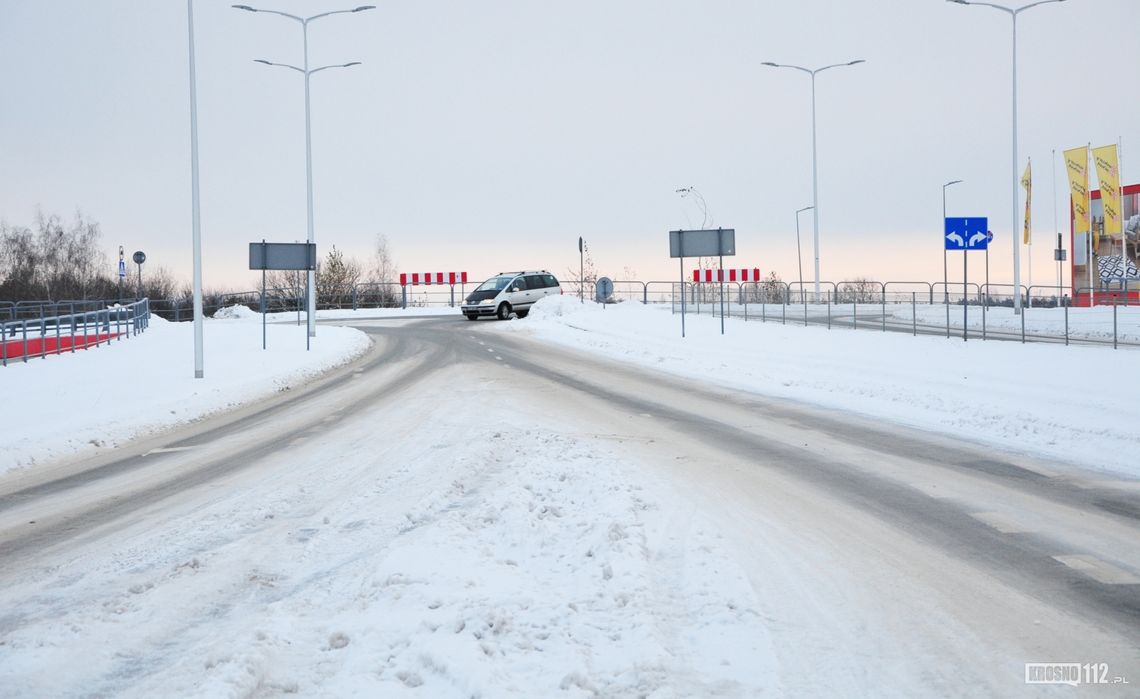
(167, 450)
(1098, 570)
(1002, 522)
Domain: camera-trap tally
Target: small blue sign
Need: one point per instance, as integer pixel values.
(967, 233)
(122, 269)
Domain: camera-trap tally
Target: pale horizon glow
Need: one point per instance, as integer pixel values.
(483, 137)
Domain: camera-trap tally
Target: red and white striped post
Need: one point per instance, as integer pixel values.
(429, 278)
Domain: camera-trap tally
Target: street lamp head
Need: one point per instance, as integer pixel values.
(952, 182)
(262, 60)
(349, 65)
(362, 8)
(856, 62)
(959, 2)
(770, 64)
(247, 8)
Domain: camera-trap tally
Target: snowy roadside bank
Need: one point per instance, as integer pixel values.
(61, 406)
(1041, 400)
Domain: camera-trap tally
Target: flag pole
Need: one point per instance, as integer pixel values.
(1120, 190)
(1056, 228)
(1089, 233)
(1029, 216)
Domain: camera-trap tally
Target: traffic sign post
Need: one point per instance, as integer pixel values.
(603, 291)
(139, 257)
(581, 270)
(966, 234)
(122, 272)
(702, 243)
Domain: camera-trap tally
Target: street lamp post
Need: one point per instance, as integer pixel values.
(799, 257)
(814, 168)
(1013, 13)
(304, 22)
(195, 215)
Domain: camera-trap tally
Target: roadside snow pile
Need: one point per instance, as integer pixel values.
(75, 403)
(999, 393)
(558, 306)
(236, 313)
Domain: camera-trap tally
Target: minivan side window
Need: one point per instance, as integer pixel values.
(534, 281)
(549, 280)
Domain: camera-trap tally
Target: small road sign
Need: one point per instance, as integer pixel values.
(603, 289)
(122, 268)
(967, 233)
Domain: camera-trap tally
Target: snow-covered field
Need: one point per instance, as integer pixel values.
(531, 562)
(1054, 402)
(1048, 401)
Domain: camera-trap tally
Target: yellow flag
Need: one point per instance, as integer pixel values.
(1027, 182)
(1077, 164)
(1108, 173)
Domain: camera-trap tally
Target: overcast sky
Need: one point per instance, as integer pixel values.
(483, 136)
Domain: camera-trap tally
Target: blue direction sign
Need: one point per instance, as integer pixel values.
(967, 233)
(122, 269)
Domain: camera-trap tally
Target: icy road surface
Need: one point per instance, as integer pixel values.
(471, 512)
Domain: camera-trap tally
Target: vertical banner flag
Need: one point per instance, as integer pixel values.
(1027, 182)
(1077, 165)
(1108, 174)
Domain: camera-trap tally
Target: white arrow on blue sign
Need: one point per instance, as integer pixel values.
(122, 268)
(967, 233)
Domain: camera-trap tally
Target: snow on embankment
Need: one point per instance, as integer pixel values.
(1034, 399)
(100, 398)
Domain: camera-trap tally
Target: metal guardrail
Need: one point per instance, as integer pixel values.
(25, 337)
(747, 299)
(862, 304)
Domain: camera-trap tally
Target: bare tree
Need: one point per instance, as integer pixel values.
(53, 262)
(859, 290)
(583, 279)
(769, 290)
(18, 255)
(336, 277)
(380, 290)
(382, 269)
(285, 289)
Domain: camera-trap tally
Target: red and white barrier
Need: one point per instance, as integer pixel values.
(726, 275)
(429, 278)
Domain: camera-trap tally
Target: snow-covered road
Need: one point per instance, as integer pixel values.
(472, 510)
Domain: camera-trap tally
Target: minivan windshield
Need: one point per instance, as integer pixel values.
(496, 283)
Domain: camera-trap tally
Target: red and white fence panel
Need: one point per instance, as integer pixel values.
(429, 278)
(709, 276)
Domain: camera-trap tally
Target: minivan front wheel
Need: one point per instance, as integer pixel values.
(504, 310)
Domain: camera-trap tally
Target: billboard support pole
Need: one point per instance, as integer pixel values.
(720, 272)
(263, 254)
(682, 263)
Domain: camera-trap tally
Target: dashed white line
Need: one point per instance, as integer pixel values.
(1002, 522)
(167, 450)
(1098, 570)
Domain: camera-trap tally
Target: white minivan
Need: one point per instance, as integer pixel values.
(509, 292)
